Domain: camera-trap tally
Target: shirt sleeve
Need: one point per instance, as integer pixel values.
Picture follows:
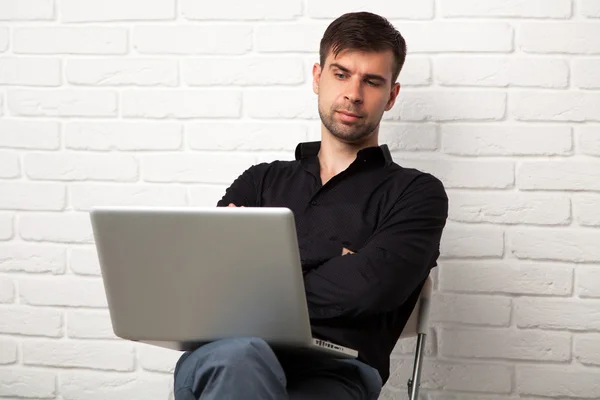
(246, 189)
(395, 260)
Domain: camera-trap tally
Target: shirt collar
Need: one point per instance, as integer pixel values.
(382, 152)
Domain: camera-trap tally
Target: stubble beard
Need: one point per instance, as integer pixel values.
(351, 132)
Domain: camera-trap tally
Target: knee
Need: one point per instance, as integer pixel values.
(240, 350)
(227, 353)
(234, 357)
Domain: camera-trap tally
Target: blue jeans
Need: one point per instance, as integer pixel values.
(247, 368)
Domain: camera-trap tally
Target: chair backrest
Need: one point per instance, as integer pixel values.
(419, 318)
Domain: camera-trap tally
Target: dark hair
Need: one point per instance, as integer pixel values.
(363, 31)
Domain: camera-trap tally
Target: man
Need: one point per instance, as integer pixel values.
(368, 231)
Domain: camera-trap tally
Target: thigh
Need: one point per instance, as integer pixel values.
(334, 379)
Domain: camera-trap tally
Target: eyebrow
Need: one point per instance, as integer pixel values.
(368, 76)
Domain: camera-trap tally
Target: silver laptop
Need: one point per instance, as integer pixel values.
(181, 277)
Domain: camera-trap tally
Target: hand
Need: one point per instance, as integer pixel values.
(346, 251)
(233, 205)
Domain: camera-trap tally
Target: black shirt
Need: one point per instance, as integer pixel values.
(391, 217)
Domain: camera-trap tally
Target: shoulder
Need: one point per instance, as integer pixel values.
(420, 183)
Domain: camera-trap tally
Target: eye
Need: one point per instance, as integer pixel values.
(340, 76)
(372, 83)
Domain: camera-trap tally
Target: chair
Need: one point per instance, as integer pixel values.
(417, 325)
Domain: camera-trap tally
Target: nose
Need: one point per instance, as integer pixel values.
(354, 91)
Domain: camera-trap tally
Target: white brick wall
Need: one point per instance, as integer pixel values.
(165, 102)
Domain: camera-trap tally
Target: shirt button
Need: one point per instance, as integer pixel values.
(314, 203)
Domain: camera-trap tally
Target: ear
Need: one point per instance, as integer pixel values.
(316, 77)
(393, 95)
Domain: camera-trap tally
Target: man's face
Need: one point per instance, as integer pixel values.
(354, 90)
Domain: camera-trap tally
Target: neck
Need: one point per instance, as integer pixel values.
(335, 155)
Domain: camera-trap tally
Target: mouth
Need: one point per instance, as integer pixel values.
(348, 116)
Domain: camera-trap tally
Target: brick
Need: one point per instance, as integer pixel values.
(587, 282)
(258, 71)
(119, 135)
(8, 355)
(7, 290)
(109, 356)
(70, 40)
(510, 208)
(27, 383)
(409, 136)
(559, 175)
(201, 103)
(116, 10)
(56, 227)
(502, 71)
(507, 8)
(402, 9)
(157, 359)
(256, 10)
(509, 344)
(85, 197)
(555, 244)
(32, 258)
(449, 106)
(415, 72)
(469, 241)
(27, 10)
(4, 39)
(457, 37)
(20, 71)
(560, 37)
(586, 348)
(281, 104)
(190, 168)
(80, 385)
(450, 376)
(506, 140)
(62, 103)
(466, 174)
(585, 209)
(89, 324)
(79, 167)
(470, 309)
(589, 8)
(122, 72)
(557, 381)
(245, 136)
(84, 261)
(21, 134)
(586, 73)
(32, 196)
(30, 321)
(63, 292)
(10, 167)
(589, 139)
(7, 222)
(563, 314)
(555, 106)
(215, 39)
(506, 277)
(206, 195)
(297, 37)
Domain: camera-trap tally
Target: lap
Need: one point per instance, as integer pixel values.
(304, 377)
(327, 378)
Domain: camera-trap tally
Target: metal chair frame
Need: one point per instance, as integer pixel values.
(418, 324)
